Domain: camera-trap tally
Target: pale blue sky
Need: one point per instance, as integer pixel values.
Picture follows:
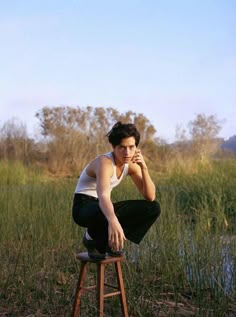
(168, 60)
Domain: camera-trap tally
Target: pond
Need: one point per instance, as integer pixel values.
(212, 267)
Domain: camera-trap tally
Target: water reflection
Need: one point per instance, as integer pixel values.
(228, 269)
(221, 271)
(209, 266)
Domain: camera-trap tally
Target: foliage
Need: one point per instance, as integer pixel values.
(203, 141)
(14, 141)
(92, 122)
(204, 131)
(73, 136)
(203, 127)
(77, 135)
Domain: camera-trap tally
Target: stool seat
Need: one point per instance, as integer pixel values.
(84, 257)
(100, 289)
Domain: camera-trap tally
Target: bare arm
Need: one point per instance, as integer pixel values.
(104, 170)
(140, 175)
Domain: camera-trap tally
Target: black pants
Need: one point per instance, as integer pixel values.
(135, 217)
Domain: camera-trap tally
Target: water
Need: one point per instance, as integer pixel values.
(218, 272)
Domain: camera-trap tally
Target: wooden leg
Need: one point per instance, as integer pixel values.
(122, 289)
(100, 288)
(79, 289)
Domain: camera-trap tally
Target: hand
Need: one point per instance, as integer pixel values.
(138, 159)
(116, 235)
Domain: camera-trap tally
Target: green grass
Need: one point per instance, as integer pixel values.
(177, 270)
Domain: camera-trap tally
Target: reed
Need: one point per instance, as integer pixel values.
(185, 266)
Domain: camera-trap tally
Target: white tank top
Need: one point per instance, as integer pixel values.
(87, 184)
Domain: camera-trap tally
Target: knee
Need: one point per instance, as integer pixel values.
(155, 208)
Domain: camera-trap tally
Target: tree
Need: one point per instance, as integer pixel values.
(14, 141)
(76, 135)
(204, 131)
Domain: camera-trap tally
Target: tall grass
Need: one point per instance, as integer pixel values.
(185, 266)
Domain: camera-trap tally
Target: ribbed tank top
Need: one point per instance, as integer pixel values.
(87, 184)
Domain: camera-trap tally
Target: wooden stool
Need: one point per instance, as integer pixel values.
(85, 259)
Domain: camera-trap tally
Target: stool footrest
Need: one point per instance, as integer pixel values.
(92, 287)
(112, 294)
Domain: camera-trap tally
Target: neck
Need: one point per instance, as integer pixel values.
(117, 162)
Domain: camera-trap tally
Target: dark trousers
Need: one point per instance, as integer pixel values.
(135, 217)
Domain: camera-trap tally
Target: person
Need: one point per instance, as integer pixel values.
(110, 224)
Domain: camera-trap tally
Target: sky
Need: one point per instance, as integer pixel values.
(168, 60)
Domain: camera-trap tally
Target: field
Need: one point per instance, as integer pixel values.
(185, 266)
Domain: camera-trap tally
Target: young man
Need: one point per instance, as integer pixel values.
(109, 224)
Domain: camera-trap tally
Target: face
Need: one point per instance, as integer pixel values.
(125, 150)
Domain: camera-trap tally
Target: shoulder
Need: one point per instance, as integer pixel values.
(104, 159)
(103, 163)
(100, 160)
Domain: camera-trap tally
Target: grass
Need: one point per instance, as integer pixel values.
(184, 267)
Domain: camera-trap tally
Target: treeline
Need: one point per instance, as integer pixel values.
(70, 137)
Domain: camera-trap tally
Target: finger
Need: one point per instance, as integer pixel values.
(123, 238)
(116, 242)
(111, 239)
(121, 244)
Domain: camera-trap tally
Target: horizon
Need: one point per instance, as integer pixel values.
(36, 132)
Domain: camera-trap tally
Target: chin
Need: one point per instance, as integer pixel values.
(127, 159)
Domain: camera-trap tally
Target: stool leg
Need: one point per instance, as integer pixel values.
(79, 289)
(100, 288)
(122, 289)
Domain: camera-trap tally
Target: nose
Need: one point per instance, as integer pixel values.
(126, 151)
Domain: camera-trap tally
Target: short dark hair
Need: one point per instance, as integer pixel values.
(123, 130)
